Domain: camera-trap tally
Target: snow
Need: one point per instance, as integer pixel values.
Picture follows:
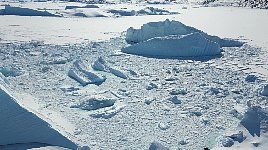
(18, 125)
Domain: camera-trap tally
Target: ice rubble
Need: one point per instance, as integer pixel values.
(19, 125)
(172, 38)
(10, 10)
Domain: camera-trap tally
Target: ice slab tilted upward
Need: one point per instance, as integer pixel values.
(82, 74)
(18, 125)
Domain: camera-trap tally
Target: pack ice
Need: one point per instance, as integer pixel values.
(174, 39)
(21, 126)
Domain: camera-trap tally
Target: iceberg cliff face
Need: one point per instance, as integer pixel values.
(191, 45)
(18, 125)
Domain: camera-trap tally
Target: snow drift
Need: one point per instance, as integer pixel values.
(9, 10)
(172, 38)
(19, 125)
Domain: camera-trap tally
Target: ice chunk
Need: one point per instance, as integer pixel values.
(191, 45)
(10, 71)
(101, 65)
(100, 106)
(227, 142)
(238, 136)
(95, 102)
(163, 125)
(83, 75)
(118, 73)
(175, 99)
(157, 146)
(251, 78)
(151, 86)
(265, 90)
(178, 91)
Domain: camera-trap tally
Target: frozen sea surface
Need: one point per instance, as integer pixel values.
(180, 103)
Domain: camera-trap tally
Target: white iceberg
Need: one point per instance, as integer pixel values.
(191, 45)
(166, 28)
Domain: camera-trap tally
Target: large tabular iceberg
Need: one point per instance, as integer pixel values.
(174, 39)
(20, 126)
